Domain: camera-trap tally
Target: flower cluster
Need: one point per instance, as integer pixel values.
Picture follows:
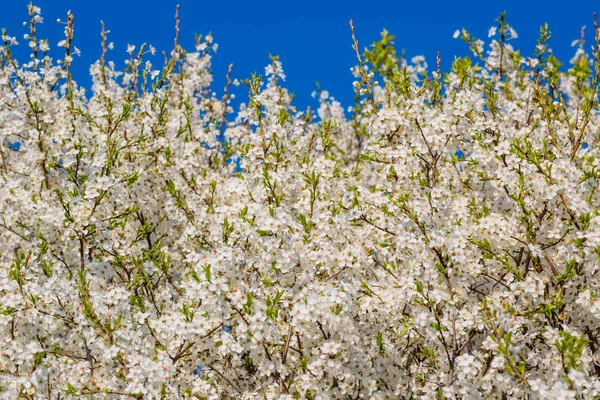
(443, 241)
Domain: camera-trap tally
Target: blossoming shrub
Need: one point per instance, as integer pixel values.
(441, 242)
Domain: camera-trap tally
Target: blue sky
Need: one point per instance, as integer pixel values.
(311, 37)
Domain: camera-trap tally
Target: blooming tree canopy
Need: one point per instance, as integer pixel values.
(441, 241)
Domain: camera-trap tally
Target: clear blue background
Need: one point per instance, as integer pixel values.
(311, 37)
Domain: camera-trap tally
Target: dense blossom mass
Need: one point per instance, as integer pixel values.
(440, 239)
